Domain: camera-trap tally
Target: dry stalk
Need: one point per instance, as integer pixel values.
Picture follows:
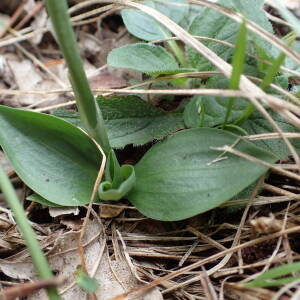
(256, 160)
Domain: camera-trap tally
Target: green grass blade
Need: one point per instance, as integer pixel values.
(237, 66)
(270, 278)
(267, 80)
(174, 47)
(38, 258)
(274, 282)
(272, 71)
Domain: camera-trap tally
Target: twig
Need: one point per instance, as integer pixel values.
(14, 18)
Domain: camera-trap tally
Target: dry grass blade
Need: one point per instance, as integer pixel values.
(277, 20)
(268, 136)
(259, 201)
(13, 19)
(39, 63)
(92, 199)
(202, 92)
(285, 289)
(250, 293)
(277, 190)
(38, 7)
(92, 13)
(83, 4)
(280, 103)
(23, 37)
(255, 160)
(208, 287)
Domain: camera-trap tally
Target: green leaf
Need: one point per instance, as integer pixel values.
(209, 111)
(277, 282)
(86, 282)
(194, 10)
(130, 120)
(282, 81)
(254, 11)
(289, 62)
(146, 58)
(176, 178)
(145, 27)
(269, 278)
(243, 195)
(69, 116)
(269, 77)
(213, 109)
(272, 71)
(39, 199)
(54, 158)
(193, 113)
(257, 124)
(212, 24)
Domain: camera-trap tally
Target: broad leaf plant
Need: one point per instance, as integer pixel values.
(182, 174)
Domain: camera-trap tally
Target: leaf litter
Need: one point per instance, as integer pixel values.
(114, 275)
(127, 250)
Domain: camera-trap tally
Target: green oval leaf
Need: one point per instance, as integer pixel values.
(146, 58)
(54, 158)
(175, 180)
(145, 27)
(270, 277)
(39, 199)
(131, 120)
(212, 24)
(211, 110)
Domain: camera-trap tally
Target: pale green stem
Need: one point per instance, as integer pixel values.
(89, 111)
(178, 52)
(175, 48)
